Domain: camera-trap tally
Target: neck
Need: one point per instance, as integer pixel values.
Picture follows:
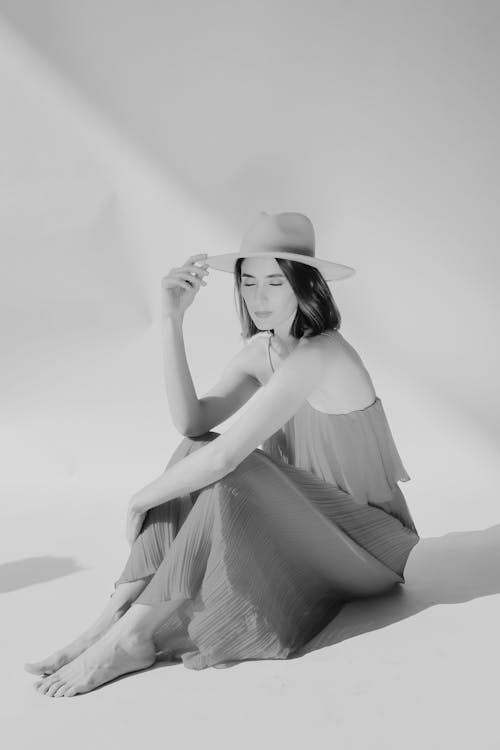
(284, 342)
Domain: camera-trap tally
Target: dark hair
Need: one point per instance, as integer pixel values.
(316, 311)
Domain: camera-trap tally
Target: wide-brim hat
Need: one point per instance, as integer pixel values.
(287, 235)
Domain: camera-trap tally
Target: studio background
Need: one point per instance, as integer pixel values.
(134, 134)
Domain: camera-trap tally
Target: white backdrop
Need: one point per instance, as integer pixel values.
(133, 134)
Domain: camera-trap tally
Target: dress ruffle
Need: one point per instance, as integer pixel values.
(354, 451)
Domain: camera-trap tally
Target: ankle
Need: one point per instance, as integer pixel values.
(120, 604)
(137, 643)
(121, 609)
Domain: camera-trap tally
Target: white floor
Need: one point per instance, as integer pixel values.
(415, 669)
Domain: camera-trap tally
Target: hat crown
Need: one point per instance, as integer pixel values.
(287, 232)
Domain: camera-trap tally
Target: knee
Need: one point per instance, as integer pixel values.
(206, 437)
(193, 442)
(189, 444)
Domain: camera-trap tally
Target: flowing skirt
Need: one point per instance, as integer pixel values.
(257, 563)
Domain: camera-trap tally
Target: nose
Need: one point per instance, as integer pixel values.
(261, 294)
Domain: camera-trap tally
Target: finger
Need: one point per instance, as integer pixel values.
(185, 284)
(175, 281)
(195, 269)
(189, 278)
(197, 256)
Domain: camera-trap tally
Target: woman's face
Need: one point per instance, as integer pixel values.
(265, 288)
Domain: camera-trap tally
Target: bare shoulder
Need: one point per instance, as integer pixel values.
(330, 345)
(346, 384)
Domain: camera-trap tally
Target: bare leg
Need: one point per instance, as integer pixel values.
(127, 646)
(120, 601)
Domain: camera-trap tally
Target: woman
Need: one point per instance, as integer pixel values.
(245, 552)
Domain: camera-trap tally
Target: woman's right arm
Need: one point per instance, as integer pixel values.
(179, 289)
(181, 394)
(237, 384)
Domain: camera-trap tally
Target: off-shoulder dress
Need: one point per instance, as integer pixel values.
(256, 564)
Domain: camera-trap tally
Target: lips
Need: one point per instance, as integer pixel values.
(262, 314)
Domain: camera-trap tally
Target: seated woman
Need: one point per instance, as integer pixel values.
(251, 540)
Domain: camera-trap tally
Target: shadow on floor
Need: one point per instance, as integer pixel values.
(32, 570)
(454, 568)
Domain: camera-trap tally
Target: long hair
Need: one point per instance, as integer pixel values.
(316, 311)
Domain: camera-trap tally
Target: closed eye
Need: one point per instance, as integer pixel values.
(269, 284)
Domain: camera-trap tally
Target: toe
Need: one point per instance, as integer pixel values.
(55, 686)
(59, 693)
(43, 685)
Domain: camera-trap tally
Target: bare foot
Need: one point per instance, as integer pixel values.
(111, 656)
(64, 655)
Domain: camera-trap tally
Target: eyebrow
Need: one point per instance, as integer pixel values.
(269, 275)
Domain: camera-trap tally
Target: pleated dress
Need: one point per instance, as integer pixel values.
(257, 563)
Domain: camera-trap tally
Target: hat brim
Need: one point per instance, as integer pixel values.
(330, 270)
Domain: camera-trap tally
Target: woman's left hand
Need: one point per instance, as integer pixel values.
(135, 519)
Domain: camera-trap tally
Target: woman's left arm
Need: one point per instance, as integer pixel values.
(271, 407)
(195, 470)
